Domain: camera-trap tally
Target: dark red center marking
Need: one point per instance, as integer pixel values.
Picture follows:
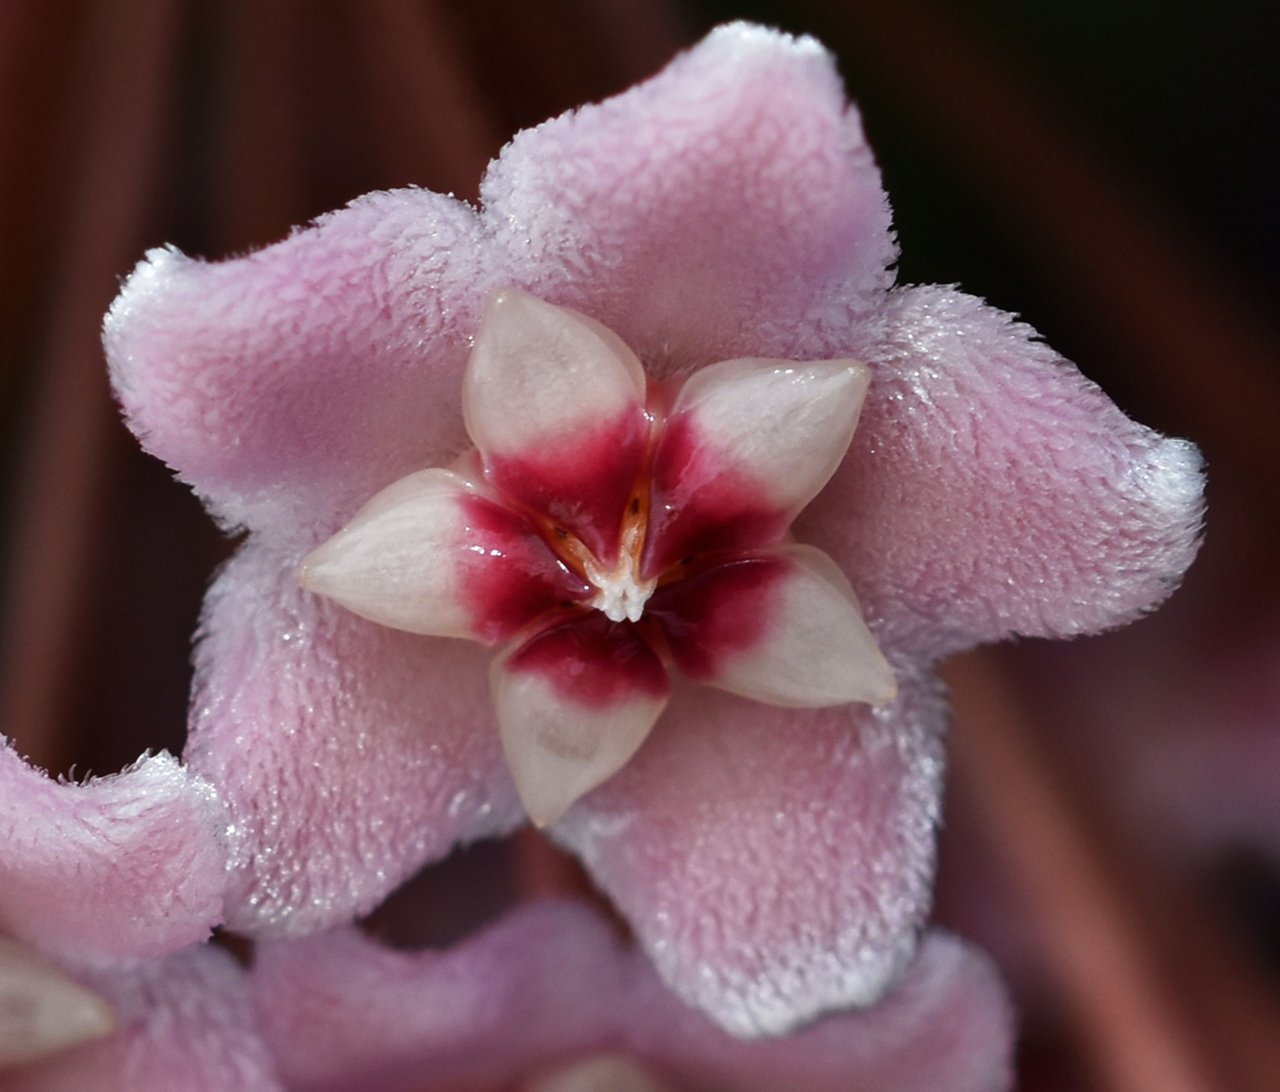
(718, 611)
(702, 514)
(593, 662)
(701, 503)
(585, 483)
(510, 574)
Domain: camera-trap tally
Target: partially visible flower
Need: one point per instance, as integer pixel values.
(548, 996)
(775, 863)
(185, 1021)
(545, 1001)
(106, 888)
(117, 868)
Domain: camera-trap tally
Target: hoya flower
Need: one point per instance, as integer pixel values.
(774, 860)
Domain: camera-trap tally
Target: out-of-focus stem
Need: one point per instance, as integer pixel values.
(1158, 1001)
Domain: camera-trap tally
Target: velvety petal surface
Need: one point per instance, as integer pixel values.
(289, 386)
(724, 208)
(343, 1013)
(348, 753)
(120, 866)
(991, 489)
(946, 1025)
(185, 1022)
(550, 986)
(774, 863)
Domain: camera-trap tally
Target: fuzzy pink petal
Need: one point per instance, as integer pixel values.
(291, 385)
(991, 489)
(348, 753)
(946, 1025)
(342, 1013)
(774, 863)
(729, 206)
(185, 1022)
(121, 866)
(550, 985)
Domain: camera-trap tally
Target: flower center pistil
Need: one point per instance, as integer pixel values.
(620, 591)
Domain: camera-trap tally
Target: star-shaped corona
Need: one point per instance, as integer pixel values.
(608, 531)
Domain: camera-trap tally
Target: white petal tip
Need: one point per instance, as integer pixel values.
(784, 425)
(323, 573)
(538, 372)
(397, 562)
(550, 779)
(541, 820)
(559, 747)
(42, 1010)
(546, 792)
(813, 649)
(867, 676)
(888, 695)
(315, 574)
(506, 301)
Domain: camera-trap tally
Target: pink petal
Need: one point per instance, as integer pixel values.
(185, 1022)
(550, 985)
(433, 554)
(781, 627)
(342, 1013)
(349, 753)
(574, 703)
(945, 1027)
(121, 866)
(289, 386)
(991, 489)
(728, 206)
(748, 444)
(774, 863)
(555, 404)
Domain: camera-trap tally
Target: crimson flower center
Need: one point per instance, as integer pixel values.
(605, 532)
(620, 590)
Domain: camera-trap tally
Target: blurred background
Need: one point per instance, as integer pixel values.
(1107, 170)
